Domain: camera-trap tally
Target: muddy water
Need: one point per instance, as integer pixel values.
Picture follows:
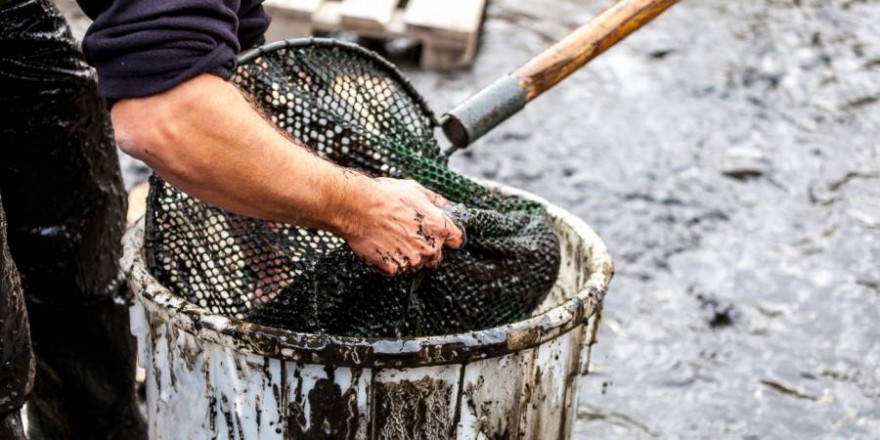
(729, 156)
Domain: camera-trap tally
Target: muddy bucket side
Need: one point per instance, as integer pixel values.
(210, 376)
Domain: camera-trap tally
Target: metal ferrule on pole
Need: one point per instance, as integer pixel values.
(483, 111)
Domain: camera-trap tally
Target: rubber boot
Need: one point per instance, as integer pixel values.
(65, 203)
(11, 427)
(16, 359)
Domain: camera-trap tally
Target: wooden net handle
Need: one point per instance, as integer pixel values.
(586, 43)
(509, 94)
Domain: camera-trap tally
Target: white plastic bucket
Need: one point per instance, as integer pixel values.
(212, 377)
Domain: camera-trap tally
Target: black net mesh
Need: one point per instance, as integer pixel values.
(353, 108)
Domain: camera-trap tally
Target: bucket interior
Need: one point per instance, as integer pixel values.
(584, 273)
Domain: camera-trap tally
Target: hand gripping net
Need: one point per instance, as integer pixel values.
(356, 110)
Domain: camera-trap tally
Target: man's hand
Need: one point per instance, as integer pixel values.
(401, 227)
(204, 138)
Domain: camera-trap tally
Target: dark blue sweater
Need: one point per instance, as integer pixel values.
(144, 47)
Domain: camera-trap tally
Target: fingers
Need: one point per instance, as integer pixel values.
(446, 235)
(436, 199)
(399, 262)
(431, 250)
(412, 263)
(454, 236)
(382, 263)
(421, 254)
(435, 259)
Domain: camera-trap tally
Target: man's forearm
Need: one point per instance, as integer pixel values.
(206, 139)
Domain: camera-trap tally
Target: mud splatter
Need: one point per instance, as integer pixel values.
(413, 410)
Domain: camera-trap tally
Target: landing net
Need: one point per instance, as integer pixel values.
(355, 109)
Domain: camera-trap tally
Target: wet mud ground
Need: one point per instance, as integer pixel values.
(729, 155)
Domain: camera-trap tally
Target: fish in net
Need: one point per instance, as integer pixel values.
(355, 109)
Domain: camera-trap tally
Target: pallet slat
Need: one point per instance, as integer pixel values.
(370, 14)
(449, 19)
(294, 8)
(291, 18)
(448, 29)
(328, 17)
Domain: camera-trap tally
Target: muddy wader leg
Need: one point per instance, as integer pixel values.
(16, 359)
(64, 200)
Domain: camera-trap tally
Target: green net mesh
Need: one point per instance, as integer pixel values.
(356, 110)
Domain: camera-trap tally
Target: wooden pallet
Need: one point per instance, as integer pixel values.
(447, 29)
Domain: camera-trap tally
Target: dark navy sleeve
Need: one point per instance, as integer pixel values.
(144, 47)
(252, 24)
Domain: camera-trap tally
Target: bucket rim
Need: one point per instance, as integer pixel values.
(459, 348)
